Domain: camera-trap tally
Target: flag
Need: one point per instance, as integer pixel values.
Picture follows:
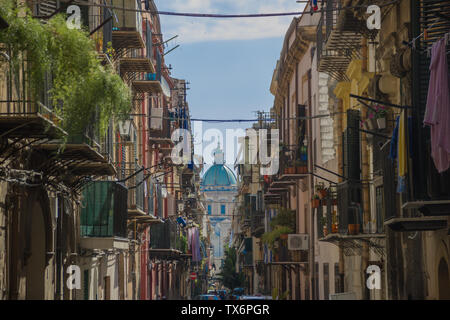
(314, 5)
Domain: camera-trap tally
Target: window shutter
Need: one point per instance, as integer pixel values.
(149, 41)
(107, 29)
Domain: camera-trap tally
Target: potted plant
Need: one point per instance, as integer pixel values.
(315, 201)
(334, 224)
(370, 121)
(321, 190)
(300, 167)
(381, 117)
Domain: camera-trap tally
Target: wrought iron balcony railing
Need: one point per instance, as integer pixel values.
(104, 212)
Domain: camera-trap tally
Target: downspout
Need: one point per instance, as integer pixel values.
(312, 269)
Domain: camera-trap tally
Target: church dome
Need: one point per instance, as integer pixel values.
(219, 175)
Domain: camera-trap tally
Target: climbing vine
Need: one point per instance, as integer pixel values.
(81, 89)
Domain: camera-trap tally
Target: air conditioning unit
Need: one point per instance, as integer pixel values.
(298, 242)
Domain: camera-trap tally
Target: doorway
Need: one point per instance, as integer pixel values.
(36, 263)
(443, 280)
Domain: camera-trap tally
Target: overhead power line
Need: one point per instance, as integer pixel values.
(216, 15)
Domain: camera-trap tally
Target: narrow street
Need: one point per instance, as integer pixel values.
(202, 150)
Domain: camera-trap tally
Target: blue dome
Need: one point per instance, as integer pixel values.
(219, 175)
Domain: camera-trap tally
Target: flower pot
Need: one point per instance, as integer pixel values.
(381, 123)
(286, 170)
(315, 203)
(353, 229)
(322, 193)
(334, 228)
(284, 236)
(370, 124)
(301, 169)
(291, 170)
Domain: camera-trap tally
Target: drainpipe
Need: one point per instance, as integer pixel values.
(312, 269)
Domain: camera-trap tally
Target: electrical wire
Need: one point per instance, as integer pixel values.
(209, 15)
(256, 120)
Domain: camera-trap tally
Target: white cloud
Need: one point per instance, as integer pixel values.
(211, 29)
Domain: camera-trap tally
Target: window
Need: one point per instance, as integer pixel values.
(86, 284)
(326, 281)
(316, 282)
(337, 279)
(209, 209)
(379, 208)
(222, 209)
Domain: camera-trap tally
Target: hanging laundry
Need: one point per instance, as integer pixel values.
(437, 113)
(394, 139)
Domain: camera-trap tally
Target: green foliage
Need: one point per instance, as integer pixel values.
(182, 243)
(284, 217)
(270, 237)
(229, 276)
(282, 223)
(82, 89)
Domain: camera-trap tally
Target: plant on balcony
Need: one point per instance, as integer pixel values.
(182, 243)
(324, 223)
(282, 224)
(301, 166)
(315, 201)
(334, 223)
(321, 191)
(271, 237)
(369, 122)
(81, 88)
(380, 116)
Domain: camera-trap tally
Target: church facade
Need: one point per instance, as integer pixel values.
(219, 187)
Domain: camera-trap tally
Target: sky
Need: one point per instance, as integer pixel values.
(228, 62)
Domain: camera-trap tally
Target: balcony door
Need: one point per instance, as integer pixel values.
(443, 280)
(36, 263)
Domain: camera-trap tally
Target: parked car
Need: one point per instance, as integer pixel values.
(223, 294)
(236, 293)
(255, 298)
(207, 297)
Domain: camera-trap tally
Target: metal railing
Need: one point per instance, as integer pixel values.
(165, 235)
(100, 198)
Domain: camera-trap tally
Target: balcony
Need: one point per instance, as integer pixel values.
(257, 223)
(147, 84)
(127, 31)
(338, 40)
(104, 216)
(21, 118)
(293, 163)
(285, 256)
(160, 128)
(80, 156)
(138, 62)
(135, 185)
(345, 226)
(163, 240)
